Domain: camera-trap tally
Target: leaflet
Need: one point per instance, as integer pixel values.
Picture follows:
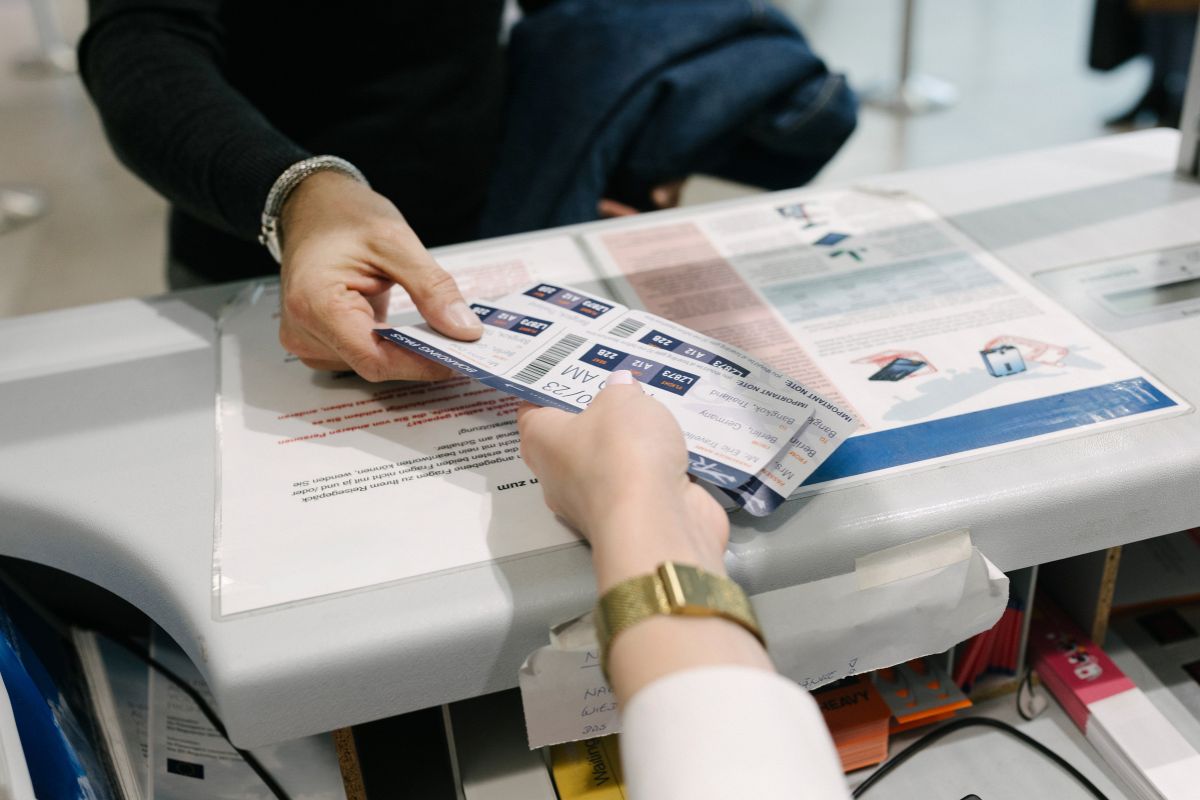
(555, 346)
(887, 310)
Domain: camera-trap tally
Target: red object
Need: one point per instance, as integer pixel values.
(1072, 667)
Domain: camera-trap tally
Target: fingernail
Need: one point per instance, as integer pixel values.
(621, 377)
(463, 317)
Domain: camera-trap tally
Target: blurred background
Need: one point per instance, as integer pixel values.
(1018, 70)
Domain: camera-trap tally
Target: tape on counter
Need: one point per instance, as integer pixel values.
(913, 558)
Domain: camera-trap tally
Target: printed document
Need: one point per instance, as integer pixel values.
(329, 483)
(884, 307)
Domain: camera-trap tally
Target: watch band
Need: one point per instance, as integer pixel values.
(269, 234)
(671, 589)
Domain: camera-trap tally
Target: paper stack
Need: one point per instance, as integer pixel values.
(1132, 735)
(858, 720)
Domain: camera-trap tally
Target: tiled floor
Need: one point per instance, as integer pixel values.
(1018, 66)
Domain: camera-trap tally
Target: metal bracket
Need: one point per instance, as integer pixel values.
(910, 94)
(1189, 122)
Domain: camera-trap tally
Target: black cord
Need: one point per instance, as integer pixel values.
(63, 631)
(204, 707)
(1026, 683)
(970, 722)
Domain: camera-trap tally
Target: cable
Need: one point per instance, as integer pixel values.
(204, 707)
(63, 631)
(970, 722)
(1026, 683)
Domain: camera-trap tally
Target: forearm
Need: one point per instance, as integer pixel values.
(634, 542)
(156, 76)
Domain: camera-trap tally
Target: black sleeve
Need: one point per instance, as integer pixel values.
(155, 71)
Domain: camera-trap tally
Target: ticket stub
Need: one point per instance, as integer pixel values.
(555, 346)
(823, 433)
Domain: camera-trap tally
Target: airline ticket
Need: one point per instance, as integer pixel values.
(750, 430)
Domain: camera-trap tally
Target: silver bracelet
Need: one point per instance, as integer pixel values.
(269, 234)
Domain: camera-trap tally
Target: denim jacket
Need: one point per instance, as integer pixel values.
(613, 97)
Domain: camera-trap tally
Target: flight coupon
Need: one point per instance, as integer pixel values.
(750, 430)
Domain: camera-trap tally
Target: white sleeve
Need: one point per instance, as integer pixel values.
(727, 732)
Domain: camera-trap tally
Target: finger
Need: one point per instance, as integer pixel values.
(379, 302)
(667, 195)
(524, 409)
(311, 351)
(324, 366)
(534, 420)
(619, 384)
(433, 290)
(345, 324)
(611, 208)
(622, 377)
(539, 428)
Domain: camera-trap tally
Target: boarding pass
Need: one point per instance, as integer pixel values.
(750, 431)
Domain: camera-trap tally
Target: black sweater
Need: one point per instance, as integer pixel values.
(209, 101)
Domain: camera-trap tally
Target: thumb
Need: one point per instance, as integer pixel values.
(436, 295)
(620, 384)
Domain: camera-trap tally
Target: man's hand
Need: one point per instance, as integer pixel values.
(344, 246)
(665, 196)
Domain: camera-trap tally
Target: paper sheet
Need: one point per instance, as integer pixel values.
(878, 303)
(331, 484)
(834, 628)
(816, 632)
(189, 760)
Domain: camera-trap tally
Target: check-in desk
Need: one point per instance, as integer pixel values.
(107, 462)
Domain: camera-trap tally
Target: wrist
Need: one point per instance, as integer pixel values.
(634, 539)
(309, 192)
(286, 185)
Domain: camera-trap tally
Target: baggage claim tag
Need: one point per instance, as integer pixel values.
(548, 345)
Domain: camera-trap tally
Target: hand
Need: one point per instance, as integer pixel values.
(344, 246)
(665, 196)
(618, 474)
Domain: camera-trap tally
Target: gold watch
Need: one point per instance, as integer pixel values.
(671, 589)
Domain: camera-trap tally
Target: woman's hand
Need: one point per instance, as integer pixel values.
(344, 246)
(618, 474)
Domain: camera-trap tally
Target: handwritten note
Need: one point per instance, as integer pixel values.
(565, 694)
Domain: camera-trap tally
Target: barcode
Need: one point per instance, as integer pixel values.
(550, 359)
(627, 328)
